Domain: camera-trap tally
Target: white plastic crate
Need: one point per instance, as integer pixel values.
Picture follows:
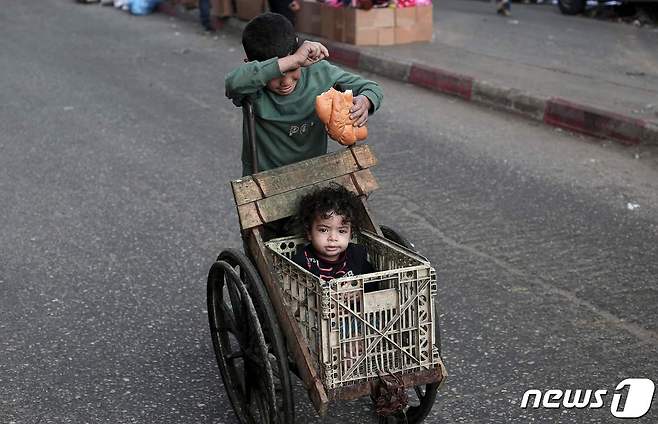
(353, 334)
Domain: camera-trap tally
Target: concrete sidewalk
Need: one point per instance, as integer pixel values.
(590, 76)
(543, 54)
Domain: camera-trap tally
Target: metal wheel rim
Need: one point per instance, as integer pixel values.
(278, 353)
(426, 395)
(248, 392)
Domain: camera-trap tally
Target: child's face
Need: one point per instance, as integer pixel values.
(330, 236)
(285, 84)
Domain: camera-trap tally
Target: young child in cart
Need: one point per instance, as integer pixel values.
(329, 215)
(282, 78)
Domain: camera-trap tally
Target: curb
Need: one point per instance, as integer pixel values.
(554, 111)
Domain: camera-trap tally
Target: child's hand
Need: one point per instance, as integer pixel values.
(359, 112)
(310, 52)
(294, 6)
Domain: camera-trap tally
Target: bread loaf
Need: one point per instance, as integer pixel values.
(333, 109)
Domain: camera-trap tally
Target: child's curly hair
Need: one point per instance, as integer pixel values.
(333, 198)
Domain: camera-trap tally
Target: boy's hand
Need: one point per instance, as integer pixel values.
(310, 52)
(294, 6)
(359, 112)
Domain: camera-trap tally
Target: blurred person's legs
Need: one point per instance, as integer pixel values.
(204, 14)
(504, 7)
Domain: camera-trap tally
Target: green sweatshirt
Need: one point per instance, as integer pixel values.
(287, 127)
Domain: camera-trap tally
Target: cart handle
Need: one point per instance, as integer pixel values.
(248, 113)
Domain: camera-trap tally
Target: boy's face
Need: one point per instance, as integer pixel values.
(285, 84)
(330, 236)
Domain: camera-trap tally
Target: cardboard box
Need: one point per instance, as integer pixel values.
(386, 36)
(221, 8)
(248, 9)
(405, 16)
(405, 34)
(328, 18)
(309, 19)
(377, 26)
(373, 18)
(424, 23)
(339, 27)
(424, 14)
(361, 36)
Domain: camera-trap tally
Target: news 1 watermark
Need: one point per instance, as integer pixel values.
(635, 404)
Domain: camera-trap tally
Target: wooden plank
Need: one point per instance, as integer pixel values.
(364, 156)
(296, 343)
(285, 204)
(365, 182)
(307, 172)
(245, 190)
(312, 171)
(249, 216)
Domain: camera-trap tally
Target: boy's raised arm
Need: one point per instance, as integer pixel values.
(250, 77)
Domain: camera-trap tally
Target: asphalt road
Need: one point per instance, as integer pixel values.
(116, 148)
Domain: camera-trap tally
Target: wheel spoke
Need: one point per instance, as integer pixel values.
(419, 392)
(251, 351)
(266, 414)
(227, 322)
(232, 356)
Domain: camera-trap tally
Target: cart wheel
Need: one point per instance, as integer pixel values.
(249, 347)
(421, 404)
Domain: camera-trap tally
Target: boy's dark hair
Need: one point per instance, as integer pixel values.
(269, 35)
(333, 198)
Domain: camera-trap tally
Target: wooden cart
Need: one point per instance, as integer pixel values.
(268, 317)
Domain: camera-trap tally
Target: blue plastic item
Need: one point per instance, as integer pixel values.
(143, 7)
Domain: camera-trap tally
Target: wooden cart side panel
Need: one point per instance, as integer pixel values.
(249, 215)
(284, 204)
(312, 171)
(364, 157)
(305, 173)
(364, 181)
(245, 190)
(297, 346)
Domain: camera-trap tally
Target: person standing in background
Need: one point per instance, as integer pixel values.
(287, 8)
(504, 7)
(204, 15)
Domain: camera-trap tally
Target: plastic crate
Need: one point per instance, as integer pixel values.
(353, 335)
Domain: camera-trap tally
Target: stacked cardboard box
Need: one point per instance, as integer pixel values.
(221, 8)
(413, 24)
(308, 19)
(377, 26)
(248, 9)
